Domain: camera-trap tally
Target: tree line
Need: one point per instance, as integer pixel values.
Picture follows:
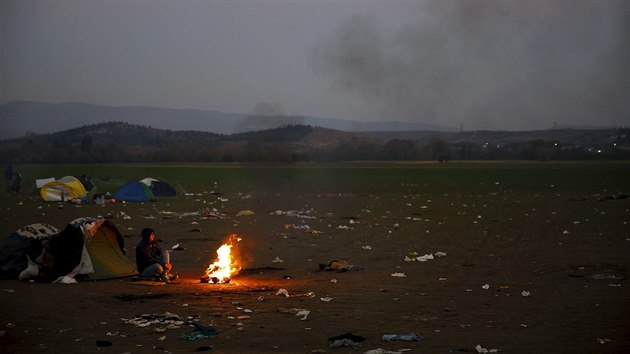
(126, 143)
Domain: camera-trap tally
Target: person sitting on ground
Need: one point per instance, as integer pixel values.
(151, 260)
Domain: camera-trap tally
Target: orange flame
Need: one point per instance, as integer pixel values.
(222, 270)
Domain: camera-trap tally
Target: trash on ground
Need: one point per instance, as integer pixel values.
(481, 349)
(424, 258)
(304, 313)
(347, 335)
(200, 332)
(245, 213)
(406, 337)
(338, 265)
(346, 340)
(146, 320)
(302, 214)
(284, 292)
(399, 275)
(382, 351)
(345, 343)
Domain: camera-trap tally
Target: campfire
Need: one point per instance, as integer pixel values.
(226, 266)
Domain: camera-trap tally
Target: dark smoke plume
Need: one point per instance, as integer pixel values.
(489, 64)
(266, 115)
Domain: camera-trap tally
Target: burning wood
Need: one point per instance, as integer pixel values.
(222, 270)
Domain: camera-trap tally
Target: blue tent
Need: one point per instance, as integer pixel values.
(134, 192)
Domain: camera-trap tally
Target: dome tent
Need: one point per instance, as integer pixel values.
(159, 188)
(134, 192)
(66, 188)
(87, 248)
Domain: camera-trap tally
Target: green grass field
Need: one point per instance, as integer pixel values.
(579, 178)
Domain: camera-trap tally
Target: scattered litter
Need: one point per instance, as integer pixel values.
(284, 292)
(303, 313)
(381, 351)
(177, 247)
(297, 227)
(346, 340)
(604, 276)
(212, 213)
(345, 343)
(366, 247)
(245, 213)
(337, 265)
(200, 332)
(326, 299)
(407, 337)
(566, 232)
(525, 293)
(486, 286)
(424, 258)
(603, 340)
(334, 281)
(399, 275)
(289, 310)
(146, 320)
(277, 260)
(121, 214)
(302, 214)
(296, 311)
(481, 349)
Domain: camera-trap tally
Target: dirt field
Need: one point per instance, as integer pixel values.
(526, 269)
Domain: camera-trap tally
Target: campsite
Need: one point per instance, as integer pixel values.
(514, 257)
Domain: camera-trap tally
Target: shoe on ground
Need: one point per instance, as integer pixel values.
(165, 279)
(172, 277)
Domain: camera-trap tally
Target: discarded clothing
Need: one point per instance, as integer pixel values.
(345, 343)
(201, 332)
(407, 337)
(348, 335)
(336, 265)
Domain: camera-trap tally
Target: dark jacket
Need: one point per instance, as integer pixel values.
(147, 253)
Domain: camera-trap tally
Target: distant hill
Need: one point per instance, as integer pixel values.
(20, 117)
(571, 137)
(124, 142)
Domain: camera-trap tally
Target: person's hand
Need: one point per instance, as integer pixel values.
(168, 266)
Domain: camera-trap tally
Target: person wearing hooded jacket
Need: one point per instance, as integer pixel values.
(151, 260)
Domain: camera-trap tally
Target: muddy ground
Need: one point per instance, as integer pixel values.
(522, 273)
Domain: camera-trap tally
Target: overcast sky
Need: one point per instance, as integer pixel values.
(500, 65)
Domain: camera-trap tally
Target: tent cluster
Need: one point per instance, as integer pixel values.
(72, 188)
(87, 248)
